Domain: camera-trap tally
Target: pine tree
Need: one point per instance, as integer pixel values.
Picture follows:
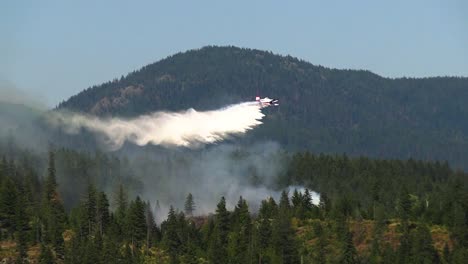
(217, 248)
(446, 254)
(21, 229)
(404, 206)
(151, 227)
(121, 201)
(324, 204)
(189, 205)
(171, 239)
(459, 224)
(283, 234)
(422, 250)
(239, 248)
(267, 211)
(97, 246)
(110, 251)
(190, 256)
(217, 252)
(102, 213)
(136, 222)
(50, 186)
(127, 257)
(73, 251)
(90, 209)
(297, 200)
(46, 256)
(284, 205)
(54, 216)
(8, 201)
(222, 220)
(341, 225)
(404, 250)
(320, 249)
(348, 251)
(307, 200)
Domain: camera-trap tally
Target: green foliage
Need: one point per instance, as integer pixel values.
(53, 214)
(217, 248)
(46, 256)
(122, 206)
(407, 227)
(348, 251)
(283, 237)
(8, 201)
(90, 209)
(152, 232)
(102, 213)
(171, 239)
(391, 188)
(239, 244)
(319, 256)
(22, 227)
(422, 250)
(189, 205)
(326, 110)
(136, 222)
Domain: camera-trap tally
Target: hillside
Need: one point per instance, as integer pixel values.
(381, 214)
(322, 109)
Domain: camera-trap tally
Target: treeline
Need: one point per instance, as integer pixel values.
(32, 213)
(371, 211)
(437, 193)
(74, 169)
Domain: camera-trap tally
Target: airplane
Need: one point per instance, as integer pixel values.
(266, 102)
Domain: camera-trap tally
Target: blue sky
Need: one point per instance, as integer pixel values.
(54, 49)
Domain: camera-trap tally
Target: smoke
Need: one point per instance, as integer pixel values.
(168, 175)
(11, 94)
(164, 176)
(315, 197)
(19, 113)
(223, 170)
(228, 170)
(189, 128)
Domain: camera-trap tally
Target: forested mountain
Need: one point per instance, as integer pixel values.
(322, 110)
(64, 202)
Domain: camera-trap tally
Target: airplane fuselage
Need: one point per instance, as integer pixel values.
(266, 102)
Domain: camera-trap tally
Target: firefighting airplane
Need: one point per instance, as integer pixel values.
(266, 102)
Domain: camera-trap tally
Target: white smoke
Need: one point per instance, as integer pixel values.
(315, 197)
(189, 128)
(224, 170)
(230, 170)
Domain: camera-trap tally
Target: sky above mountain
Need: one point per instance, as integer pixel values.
(54, 49)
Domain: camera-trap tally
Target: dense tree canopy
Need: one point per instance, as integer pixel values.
(321, 109)
(358, 222)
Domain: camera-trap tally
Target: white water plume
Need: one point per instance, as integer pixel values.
(188, 128)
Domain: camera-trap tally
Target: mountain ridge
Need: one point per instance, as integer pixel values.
(322, 109)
